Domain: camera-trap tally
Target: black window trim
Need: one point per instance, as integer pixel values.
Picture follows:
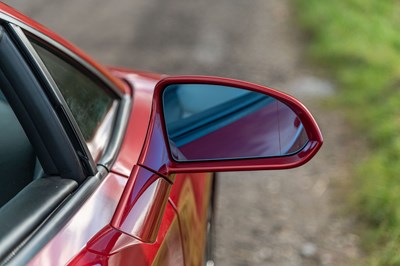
(56, 99)
(26, 96)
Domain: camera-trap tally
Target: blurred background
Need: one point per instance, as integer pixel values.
(338, 57)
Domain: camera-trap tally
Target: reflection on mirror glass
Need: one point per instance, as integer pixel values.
(211, 122)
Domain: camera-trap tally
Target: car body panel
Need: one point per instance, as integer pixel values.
(132, 144)
(191, 195)
(140, 207)
(95, 213)
(190, 192)
(111, 247)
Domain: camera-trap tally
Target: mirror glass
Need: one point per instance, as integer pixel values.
(213, 122)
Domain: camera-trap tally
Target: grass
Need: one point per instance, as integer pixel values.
(358, 42)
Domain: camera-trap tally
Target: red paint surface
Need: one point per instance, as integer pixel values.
(143, 87)
(94, 214)
(140, 208)
(191, 194)
(112, 247)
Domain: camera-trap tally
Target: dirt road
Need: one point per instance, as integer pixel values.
(264, 218)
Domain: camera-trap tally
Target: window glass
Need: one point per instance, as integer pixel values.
(17, 158)
(88, 99)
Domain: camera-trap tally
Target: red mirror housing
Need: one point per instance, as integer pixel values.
(156, 153)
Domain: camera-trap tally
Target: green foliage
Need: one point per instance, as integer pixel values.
(358, 41)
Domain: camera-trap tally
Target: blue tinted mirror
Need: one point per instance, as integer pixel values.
(212, 122)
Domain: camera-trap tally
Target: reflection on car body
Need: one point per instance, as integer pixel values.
(207, 122)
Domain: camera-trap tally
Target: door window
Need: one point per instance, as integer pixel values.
(91, 103)
(87, 100)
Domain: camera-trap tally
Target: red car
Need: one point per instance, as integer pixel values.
(110, 166)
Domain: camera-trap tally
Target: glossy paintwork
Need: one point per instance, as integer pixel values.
(141, 208)
(143, 87)
(191, 196)
(91, 217)
(111, 247)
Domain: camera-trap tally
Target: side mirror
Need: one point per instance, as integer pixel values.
(211, 124)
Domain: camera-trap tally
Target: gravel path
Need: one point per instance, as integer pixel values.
(292, 217)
